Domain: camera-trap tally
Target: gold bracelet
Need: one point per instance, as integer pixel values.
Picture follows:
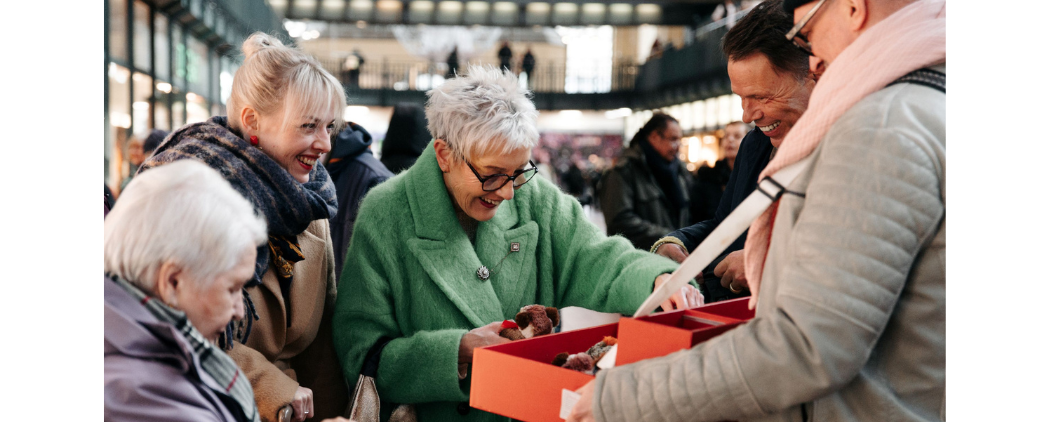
(668, 239)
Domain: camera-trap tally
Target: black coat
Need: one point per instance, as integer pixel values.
(707, 192)
(504, 57)
(633, 203)
(753, 157)
(406, 138)
(355, 171)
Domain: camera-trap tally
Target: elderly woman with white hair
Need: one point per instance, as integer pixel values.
(459, 242)
(282, 110)
(179, 245)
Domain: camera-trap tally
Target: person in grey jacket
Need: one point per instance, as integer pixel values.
(850, 317)
(179, 246)
(646, 195)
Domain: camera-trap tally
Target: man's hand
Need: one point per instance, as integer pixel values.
(731, 270)
(673, 251)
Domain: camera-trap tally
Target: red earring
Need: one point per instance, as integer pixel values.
(254, 140)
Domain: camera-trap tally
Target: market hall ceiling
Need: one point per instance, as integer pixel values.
(498, 13)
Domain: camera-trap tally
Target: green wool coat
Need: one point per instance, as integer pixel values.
(410, 275)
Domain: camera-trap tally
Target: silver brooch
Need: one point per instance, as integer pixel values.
(483, 273)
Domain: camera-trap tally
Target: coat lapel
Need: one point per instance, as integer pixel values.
(514, 273)
(453, 271)
(442, 247)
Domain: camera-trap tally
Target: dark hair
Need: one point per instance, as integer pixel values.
(406, 138)
(659, 121)
(153, 141)
(762, 31)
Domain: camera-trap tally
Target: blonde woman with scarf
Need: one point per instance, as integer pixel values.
(850, 317)
(282, 109)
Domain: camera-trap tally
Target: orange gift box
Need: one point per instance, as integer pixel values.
(517, 379)
(668, 332)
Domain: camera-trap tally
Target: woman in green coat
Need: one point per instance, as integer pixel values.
(437, 260)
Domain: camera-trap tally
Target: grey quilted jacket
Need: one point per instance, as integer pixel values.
(850, 324)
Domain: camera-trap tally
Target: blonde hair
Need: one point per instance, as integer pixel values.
(274, 76)
(482, 112)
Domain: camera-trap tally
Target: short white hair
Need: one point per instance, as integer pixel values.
(482, 112)
(184, 213)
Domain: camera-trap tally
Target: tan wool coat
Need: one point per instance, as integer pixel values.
(278, 357)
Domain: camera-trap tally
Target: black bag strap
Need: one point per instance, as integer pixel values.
(371, 366)
(926, 77)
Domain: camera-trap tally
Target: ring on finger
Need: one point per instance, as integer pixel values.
(734, 290)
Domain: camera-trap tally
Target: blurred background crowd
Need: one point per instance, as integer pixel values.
(598, 73)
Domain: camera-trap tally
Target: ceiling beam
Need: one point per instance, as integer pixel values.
(518, 13)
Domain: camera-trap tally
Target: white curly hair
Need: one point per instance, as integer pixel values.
(184, 213)
(483, 112)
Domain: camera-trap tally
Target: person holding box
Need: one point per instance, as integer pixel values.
(445, 251)
(848, 266)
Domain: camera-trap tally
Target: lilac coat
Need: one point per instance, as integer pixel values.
(152, 373)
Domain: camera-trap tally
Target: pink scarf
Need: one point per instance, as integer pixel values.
(912, 38)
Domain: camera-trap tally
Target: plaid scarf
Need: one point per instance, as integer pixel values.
(287, 205)
(212, 360)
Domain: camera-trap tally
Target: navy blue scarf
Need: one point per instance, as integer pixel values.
(287, 205)
(666, 174)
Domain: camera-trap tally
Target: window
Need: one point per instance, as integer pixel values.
(588, 64)
(142, 86)
(162, 47)
(226, 79)
(179, 53)
(178, 112)
(141, 36)
(119, 121)
(196, 108)
(161, 116)
(197, 66)
(118, 30)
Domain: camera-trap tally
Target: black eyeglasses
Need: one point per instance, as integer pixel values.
(496, 182)
(800, 41)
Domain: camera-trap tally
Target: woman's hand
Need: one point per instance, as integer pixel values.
(673, 251)
(686, 297)
(731, 269)
(479, 337)
(583, 411)
(302, 404)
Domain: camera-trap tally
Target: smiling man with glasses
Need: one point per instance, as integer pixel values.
(774, 83)
(847, 268)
